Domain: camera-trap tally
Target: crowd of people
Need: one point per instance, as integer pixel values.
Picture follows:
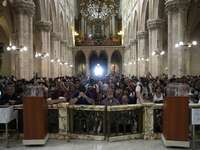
(107, 90)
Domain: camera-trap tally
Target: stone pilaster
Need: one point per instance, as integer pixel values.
(55, 54)
(142, 52)
(155, 28)
(134, 57)
(177, 15)
(87, 68)
(64, 57)
(43, 29)
(149, 121)
(23, 12)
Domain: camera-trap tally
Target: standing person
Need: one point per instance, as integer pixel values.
(158, 96)
(143, 91)
(110, 85)
(94, 90)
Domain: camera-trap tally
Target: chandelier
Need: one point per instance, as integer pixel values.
(93, 9)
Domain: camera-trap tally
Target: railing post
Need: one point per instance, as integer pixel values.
(63, 121)
(149, 121)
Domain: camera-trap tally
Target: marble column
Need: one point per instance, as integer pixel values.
(43, 29)
(177, 15)
(134, 56)
(155, 27)
(149, 121)
(23, 14)
(55, 54)
(142, 49)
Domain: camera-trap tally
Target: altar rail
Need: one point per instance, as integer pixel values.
(140, 117)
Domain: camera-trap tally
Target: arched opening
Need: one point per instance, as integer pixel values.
(116, 63)
(103, 62)
(80, 64)
(93, 62)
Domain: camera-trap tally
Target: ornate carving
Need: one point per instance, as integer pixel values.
(173, 6)
(43, 25)
(24, 8)
(155, 24)
(142, 34)
(56, 36)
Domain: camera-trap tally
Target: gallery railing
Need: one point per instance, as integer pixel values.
(87, 120)
(94, 122)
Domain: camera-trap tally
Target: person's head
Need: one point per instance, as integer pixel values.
(53, 84)
(124, 99)
(192, 84)
(76, 83)
(125, 91)
(82, 88)
(113, 80)
(121, 85)
(126, 80)
(109, 93)
(71, 88)
(92, 82)
(145, 82)
(10, 89)
(158, 89)
(172, 80)
(54, 96)
(84, 80)
(107, 79)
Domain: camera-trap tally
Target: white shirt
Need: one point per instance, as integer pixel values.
(155, 98)
(58, 98)
(94, 86)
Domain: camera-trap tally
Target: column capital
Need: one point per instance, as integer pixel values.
(56, 35)
(174, 6)
(64, 42)
(134, 42)
(23, 8)
(43, 25)
(142, 34)
(153, 24)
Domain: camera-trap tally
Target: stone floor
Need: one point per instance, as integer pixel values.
(53, 144)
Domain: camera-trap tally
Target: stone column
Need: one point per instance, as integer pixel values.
(155, 27)
(108, 68)
(43, 29)
(55, 54)
(177, 15)
(142, 48)
(134, 56)
(87, 68)
(63, 57)
(23, 13)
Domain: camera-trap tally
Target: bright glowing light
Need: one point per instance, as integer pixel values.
(75, 33)
(181, 43)
(142, 58)
(60, 63)
(98, 70)
(25, 48)
(65, 63)
(39, 54)
(36, 55)
(13, 47)
(153, 53)
(177, 45)
(58, 60)
(47, 54)
(138, 59)
(134, 63)
(147, 59)
(194, 42)
(162, 53)
(8, 48)
(120, 33)
(52, 60)
(71, 65)
(189, 45)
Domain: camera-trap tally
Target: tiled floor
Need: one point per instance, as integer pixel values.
(53, 144)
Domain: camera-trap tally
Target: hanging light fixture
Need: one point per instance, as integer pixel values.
(187, 44)
(93, 9)
(17, 46)
(41, 54)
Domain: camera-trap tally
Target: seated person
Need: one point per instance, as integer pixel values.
(110, 100)
(82, 97)
(55, 99)
(10, 97)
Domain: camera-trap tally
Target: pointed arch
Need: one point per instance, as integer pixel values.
(80, 61)
(116, 62)
(144, 15)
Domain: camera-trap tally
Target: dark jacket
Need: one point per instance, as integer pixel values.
(5, 99)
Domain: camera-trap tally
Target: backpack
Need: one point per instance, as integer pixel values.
(135, 95)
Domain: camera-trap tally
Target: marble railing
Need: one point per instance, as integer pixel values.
(146, 121)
